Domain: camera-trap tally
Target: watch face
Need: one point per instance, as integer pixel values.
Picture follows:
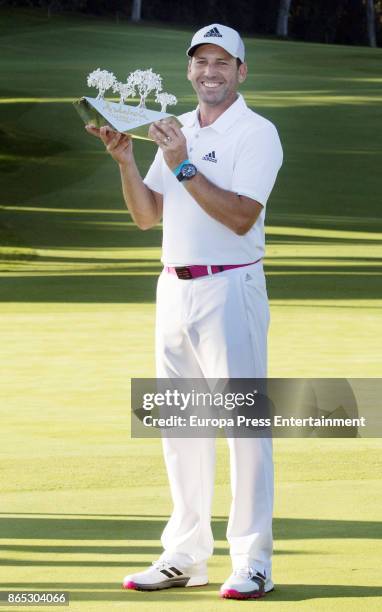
(188, 171)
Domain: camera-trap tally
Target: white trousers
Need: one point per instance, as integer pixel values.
(216, 327)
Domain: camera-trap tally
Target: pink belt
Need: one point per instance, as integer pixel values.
(188, 272)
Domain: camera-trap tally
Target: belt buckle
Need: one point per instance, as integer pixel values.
(183, 272)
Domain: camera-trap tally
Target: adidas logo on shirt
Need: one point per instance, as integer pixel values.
(210, 157)
(213, 32)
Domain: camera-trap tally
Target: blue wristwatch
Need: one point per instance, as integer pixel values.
(185, 171)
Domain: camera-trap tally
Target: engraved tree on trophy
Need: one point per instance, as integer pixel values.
(165, 99)
(146, 81)
(101, 80)
(125, 90)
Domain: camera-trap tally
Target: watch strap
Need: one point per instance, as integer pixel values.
(180, 166)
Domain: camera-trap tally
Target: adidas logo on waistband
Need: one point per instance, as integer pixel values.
(210, 157)
(213, 32)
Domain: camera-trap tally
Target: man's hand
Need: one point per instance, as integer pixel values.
(119, 145)
(169, 137)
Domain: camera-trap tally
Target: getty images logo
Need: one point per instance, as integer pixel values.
(213, 32)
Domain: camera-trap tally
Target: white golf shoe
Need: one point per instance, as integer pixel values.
(164, 574)
(246, 583)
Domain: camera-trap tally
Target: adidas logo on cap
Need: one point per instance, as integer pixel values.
(210, 157)
(213, 32)
(221, 36)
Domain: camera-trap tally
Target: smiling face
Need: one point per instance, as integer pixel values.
(215, 75)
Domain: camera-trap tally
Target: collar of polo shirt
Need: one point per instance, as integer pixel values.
(226, 119)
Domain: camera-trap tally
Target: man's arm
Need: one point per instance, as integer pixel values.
(145, 205)
(237, 212)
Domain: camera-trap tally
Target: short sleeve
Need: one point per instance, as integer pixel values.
(259, 159)
(154, 177)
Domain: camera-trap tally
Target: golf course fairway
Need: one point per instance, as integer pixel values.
(83, 504)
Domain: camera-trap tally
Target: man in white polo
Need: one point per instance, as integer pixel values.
(210, 181)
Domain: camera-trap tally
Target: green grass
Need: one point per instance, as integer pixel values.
(82, 503)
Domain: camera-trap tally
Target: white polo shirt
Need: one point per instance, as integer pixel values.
(240, 152)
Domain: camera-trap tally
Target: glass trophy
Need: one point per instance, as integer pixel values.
(125, 118)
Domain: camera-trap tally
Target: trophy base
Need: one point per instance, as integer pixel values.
(127, 119)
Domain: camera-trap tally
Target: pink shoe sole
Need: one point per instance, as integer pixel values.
(232, 594)
(132, 586)
(129, 585)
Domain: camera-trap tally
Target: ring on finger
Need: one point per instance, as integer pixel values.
(167, 139)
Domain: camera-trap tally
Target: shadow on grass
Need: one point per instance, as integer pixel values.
(134, 287)
(142, 549)
(79, 288)
(63, 229)
(130, 528)
(76, 279)
(109, 591)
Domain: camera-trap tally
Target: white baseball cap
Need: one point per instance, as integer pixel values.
(220, 35)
